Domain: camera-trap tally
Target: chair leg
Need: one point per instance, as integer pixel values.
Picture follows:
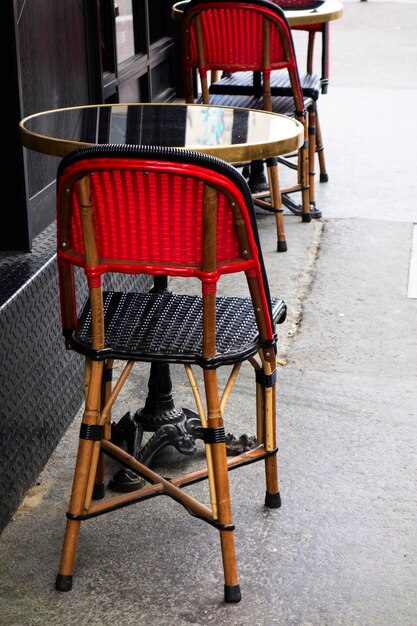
(312, 154)
(276, 203)
(221, 487)
(106, 387)
(310, 51)
(324, 177)
(272, 496)
(303, 177)
(83, 470)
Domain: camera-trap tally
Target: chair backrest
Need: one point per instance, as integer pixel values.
(233, 35)
(156, 211)
(312, 29)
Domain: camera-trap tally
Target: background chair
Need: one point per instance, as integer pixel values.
(309, 82)
(235, 38)
(173, 213)
(249, 83)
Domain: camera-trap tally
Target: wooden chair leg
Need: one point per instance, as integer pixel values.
(310, 51)
(106, 387)
(312, 154)
(324, 177)
(276, 203)
(272, 496)
(305, 190)
(221, 487)
(83, 470)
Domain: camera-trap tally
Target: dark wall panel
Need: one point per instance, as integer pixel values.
(53, 74)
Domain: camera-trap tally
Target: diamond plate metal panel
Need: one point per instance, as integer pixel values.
(40, 382)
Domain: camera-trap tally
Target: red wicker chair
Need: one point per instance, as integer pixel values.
(164, 212)
(310, 82)
(233, 36)
(241, 83)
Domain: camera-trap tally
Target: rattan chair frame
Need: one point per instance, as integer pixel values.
(80, 244)
(201, 19)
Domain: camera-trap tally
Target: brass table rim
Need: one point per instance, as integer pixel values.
(232, 153)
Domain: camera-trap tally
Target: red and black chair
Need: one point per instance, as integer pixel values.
(236, 37)
(250, 83)
(164, 212)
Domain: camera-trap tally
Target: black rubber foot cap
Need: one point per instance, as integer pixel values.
(281, 246)
(98, 491)
(273, 500)
(324, 178)
(306, 217)
(232, 593)
(63, 583)
(315, 212)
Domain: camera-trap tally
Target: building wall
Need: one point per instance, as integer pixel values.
(52, 54)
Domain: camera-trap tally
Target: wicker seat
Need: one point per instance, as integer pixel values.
(261, 42)
(164, 212)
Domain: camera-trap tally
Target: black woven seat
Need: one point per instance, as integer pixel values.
(244, 84)
(169, 327)
(284, 106)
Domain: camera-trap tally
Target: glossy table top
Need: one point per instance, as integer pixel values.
(230, 133)
(330, 10)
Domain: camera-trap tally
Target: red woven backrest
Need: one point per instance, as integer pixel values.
(151, 216)
(147, 214)
(233, 36)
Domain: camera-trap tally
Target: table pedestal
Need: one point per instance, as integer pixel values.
(171, 426)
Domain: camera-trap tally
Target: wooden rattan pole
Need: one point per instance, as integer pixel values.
(203, 420)
(270, 434)
(276, 202)
(175, 492)
(214, 415)
(209, 324)
(312, 151)
(96, 482)
(106, 412)
(320, 151)
(87, 376)
(266, 52)
(91, 260)
(202, 60)
(109, 399)
(271, 462)
(86, 463)
(310, 51)
(303, 171)
(107, 392)
(197, 395)
(221, 477)
(229, 386)
(260, 406)
(83, 469)
(96, 490)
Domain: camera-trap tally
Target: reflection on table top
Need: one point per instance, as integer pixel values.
(232, 134)
(328, 11)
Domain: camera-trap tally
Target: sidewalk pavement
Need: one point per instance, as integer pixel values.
(342, 549)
